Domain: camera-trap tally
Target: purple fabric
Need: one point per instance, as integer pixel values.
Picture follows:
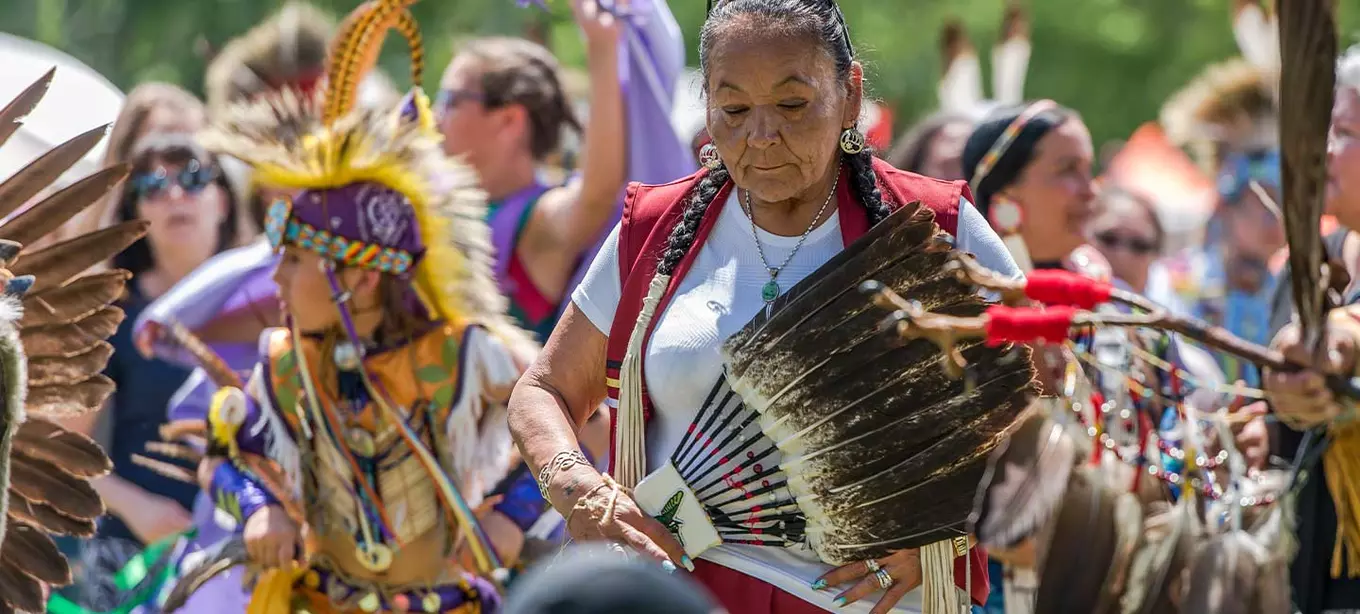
(365, 211)
(504, 220)
(231, 282)
(651, 61)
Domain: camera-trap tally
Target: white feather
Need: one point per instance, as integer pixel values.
(1010, 65)
(1258, 37)
(478, 430)
(961, 87)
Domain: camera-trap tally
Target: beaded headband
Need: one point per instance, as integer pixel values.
(1007, 138)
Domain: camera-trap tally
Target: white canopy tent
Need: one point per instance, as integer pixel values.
(78, 100)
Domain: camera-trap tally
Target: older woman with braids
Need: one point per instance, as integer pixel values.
(787, 184)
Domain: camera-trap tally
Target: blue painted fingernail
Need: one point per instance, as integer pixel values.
(687, 562)
(668, 566)
(839, 601)
(819, 584)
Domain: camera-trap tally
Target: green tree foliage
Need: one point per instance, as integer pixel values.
(1114, 60)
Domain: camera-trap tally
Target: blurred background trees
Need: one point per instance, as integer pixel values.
(1114, 60)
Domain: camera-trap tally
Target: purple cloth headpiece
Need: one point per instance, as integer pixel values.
(362, 224)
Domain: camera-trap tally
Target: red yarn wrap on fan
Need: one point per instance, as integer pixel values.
(1025, 325)
(1058, 287)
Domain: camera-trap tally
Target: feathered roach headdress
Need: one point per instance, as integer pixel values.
(375, 189)
(1233, 105)
(286, 51)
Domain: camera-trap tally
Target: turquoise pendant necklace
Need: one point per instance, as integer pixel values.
(770, 291)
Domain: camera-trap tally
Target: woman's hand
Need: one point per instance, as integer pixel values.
(601, 511)
(900, 570)
(154, 518)
(271, 537)
(1251, 435)
(600, 25)
(1301, 398)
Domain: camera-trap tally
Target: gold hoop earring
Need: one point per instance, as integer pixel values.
(709, 158)
(852, 141)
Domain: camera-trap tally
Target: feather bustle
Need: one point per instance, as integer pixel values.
(42, 482)
(40, 173)
(20, 590)
(13, 114)
(75, 453)
(79, 299)
(30, 549)
(57, 264)
(73, 339)
(64, 371)
(55, 210)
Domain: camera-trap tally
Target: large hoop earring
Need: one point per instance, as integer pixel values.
(852, 141)
(708, 156)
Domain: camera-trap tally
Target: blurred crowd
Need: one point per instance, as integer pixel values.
(1185, 212)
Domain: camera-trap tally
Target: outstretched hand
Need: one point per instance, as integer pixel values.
(600, 25)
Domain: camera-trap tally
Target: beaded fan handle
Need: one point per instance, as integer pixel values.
(356, 48)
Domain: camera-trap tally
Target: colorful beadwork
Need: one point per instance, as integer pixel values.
(281, 228)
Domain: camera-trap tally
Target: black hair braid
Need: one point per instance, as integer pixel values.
(683, 235)
(864, 181)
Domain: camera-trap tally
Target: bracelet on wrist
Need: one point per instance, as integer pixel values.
(561, 461)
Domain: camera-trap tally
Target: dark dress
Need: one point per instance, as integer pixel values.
(139, 409)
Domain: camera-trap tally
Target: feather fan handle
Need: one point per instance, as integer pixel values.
(356, 49)
(630, 456)
(1308, 48)
(1010, 58)
(210, 361)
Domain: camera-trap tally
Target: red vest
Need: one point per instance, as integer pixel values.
(649, 214)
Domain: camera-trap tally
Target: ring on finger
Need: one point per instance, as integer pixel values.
(885, 581)
(872, 565)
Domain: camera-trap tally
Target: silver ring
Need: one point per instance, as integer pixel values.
(872, 565)
(885, 581)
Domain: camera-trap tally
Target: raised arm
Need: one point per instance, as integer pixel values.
(576, 214)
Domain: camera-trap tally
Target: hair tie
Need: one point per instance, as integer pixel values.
(1007, 138)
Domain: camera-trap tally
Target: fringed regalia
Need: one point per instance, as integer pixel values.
(55, 320)
(382, 451)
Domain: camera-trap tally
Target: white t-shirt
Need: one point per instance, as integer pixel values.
(716, 298)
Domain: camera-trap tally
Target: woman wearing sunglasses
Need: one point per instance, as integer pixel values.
(178, 190)
(1128, 233)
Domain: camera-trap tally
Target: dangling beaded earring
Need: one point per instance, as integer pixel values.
(852, 141)
(708, 156)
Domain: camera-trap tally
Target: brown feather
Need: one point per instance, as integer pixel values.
(70, 400)
(42, 482)
(73, 452)
(1076, 559)
(56, 264)
(40, 173)
(59, 371)
(231, 553)
(78, 299)
(1308, 48)
(1223, 576)
(179, 430)
(57, 209)
(49, 519)
(74, 339)
(175, 451)
(36, 553)
(12, 116)
(1025, 480)
(20, 590)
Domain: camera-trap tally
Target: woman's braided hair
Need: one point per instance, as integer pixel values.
(819, 19)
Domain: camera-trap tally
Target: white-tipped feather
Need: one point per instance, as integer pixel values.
(1010, 64)
(1258, 36)
(961, 87)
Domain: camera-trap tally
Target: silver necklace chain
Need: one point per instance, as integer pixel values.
(770, 290)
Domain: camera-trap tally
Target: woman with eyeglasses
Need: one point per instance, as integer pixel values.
(178, 189)
(1128, 233)
(502, 108)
